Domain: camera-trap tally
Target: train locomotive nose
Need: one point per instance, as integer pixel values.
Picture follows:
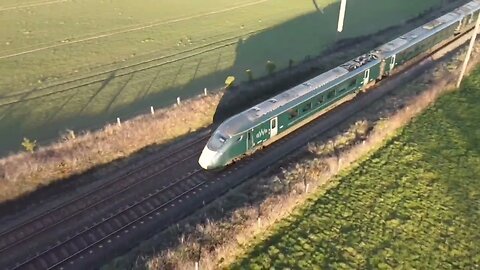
(208, 159)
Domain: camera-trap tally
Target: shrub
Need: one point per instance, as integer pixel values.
(229, 81)
(29, 145)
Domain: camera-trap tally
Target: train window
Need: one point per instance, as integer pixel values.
(352, 83)
(217, 141)
(222, 139)
(331, 94)
(321, 100)
(307, 107)
(293, 113)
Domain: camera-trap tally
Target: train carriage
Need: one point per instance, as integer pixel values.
(428, 37)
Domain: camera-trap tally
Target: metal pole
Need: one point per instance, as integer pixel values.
(341, 16)
(469, 52)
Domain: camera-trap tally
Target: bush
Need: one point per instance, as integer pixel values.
(229, 81)
(29, 145)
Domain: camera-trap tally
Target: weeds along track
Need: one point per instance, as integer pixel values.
(30, 235)
(159, 194)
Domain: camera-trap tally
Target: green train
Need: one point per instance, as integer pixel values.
(262, 124)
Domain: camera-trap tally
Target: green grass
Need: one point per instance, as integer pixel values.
(181, 50)
(414, 204)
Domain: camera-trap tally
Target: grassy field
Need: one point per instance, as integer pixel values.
(414, 204)
(77, 64)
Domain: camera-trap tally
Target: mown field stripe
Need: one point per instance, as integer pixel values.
(124, 31)
(29, 5)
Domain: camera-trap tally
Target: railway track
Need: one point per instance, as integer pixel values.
(181, 188)
(79, 207)
(116, 224)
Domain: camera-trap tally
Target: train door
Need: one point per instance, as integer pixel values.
(392, 63)
(366, 77)
(273, 127)
(250, 142)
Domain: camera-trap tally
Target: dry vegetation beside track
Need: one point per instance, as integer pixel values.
(240, 219)
(23, 173)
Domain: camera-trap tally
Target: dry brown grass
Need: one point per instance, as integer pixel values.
(271, 198)
(25, 172)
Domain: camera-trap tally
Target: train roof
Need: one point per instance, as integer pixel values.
(418, 34)
(427, 30)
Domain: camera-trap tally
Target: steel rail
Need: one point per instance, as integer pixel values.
(22, 228)
(159, 193)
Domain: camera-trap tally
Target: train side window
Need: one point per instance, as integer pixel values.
(293, 113)
(320, 100)
(307, 107)
(352, 83)
(331, 94)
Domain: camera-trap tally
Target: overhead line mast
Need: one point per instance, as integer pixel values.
(469, 52)
(341, 16)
